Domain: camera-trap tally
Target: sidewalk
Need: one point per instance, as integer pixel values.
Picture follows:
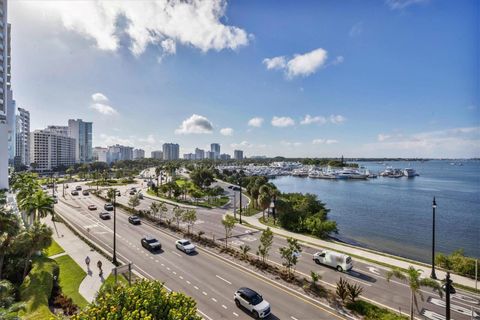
(391, 260)
(79, 250)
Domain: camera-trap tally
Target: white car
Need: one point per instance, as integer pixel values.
(185, 246)
(339, 261)
(253, 302)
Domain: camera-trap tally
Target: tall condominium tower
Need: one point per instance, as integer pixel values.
(22, 138)
(215, 148)
(171, 151)
(3, 95)
(81, 131)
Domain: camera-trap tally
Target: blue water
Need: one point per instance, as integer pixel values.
(395, 215)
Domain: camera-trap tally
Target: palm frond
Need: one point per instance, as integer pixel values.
(426, 282)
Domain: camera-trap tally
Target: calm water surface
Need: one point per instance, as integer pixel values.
(395, 215)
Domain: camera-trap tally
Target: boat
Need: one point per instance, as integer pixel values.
(409, 173)
(348, 173)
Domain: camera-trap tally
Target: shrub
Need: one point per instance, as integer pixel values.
(342, 289)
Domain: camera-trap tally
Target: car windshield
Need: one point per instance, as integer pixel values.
(151, 240)
(256, 299)
(185, 243)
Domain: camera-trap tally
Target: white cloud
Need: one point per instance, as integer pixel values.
(226, 131)
(337, 119)
(324, 141)
(282, 121)
(338, 60)
(306, 64)
(150, 139)
(196, 124)
(275, 63)
(243, 144)
(169, 47)
(308, 119)
(402, 4)
(382, 137)
(100, 104)
(291, 144)
(109, 140)
(196, 23)
(255, 122)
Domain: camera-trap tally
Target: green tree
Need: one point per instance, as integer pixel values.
(7, 294)
(354, 291)
(290, 255)
(342, 289)
(264, 201)
(202, 177)
(38, 205)
(178, 214)
(245, 249)
(228, 223)
(315, 278)
(319, 227)
(37, 237)
(189, 217)
(142, 300)
(134, 201)
(412, 277)
(9, 229)
(266, 241)
(70, 172)
(111, 194)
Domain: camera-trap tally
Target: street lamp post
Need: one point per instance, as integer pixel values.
(434, 206)
(449, 289)
(114, 226)
(240, 185)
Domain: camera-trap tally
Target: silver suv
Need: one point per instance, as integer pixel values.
(253, 302)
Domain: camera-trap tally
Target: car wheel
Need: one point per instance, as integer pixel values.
(316, 261)
(237, 303)
(339, 269)
(255, 315)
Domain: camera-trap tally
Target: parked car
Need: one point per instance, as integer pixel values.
(253, 302)
(134, 220)
(92, 207)
(74, 193)
(132, 192)
(108, 206)
(151, 243)
(339, 261)
(140, 195)
(185, 246)
(230, 187)
(78, 188)
(236, 189)
(85, 192)
(104, 215)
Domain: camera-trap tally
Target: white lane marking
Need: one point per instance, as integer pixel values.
(180, 277)
(214, 300)
(235, 314)
(224, 306)
(454, 307)
(189, 282)
(176, 253)
(204, 315)
(163, 265)
(293, 318)
(204, 293)
(465, 298)
(157, 261)
(432, 315)
(168, 268)
(174, 272)
(195, 287)
(151, 257)
(374, 270)
(223, 279)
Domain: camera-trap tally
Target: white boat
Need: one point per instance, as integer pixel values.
(348, 173)
(409, 173)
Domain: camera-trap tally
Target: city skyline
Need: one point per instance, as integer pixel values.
(322, 87)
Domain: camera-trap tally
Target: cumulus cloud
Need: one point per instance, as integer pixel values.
(275, 63)
(226, 131)
(282, 121)
(337, 119)
(308, 119)
(100, 103)
(291, 144)
(196, 23)
(255, 122)
(196, 124)
(243, 144)
(324, 141)
(402, 4)
(109, 140)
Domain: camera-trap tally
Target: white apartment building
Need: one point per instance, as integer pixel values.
(138, 154)
(3, 95)
(48, 150)
(118, 152)
(22, 138)
(171, 151)
(100, 154)
(156, 154)
(189, 156)
(199, 154)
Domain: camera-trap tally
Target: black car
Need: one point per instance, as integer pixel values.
(230, 187)
(78, 188)
(236, 189)
(132, 192)
(134, 220)
(104, 215)
(151, 243)
(74, 193)
(85, 192)
(108, 206)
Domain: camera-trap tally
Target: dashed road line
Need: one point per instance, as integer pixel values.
(235, 314)
(223, 279)
(224, 306)
(214, 300)
(195, 287)
(293, 318)
(189, 282)
(204, 293)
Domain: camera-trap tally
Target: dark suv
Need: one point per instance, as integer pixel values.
(108, 206)
(134, 220)
(151, 243)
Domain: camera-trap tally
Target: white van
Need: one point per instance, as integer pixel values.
(336, 260)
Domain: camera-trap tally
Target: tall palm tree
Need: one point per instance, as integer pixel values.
(37, 206)
(9, 229)
(37, 237)
(412, 277)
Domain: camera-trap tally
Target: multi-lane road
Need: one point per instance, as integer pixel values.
(394, 294)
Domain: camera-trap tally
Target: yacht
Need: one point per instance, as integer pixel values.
(409, 172)
(348, 173)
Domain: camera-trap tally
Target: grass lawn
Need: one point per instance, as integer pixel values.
(111, 280)
(71, 275)
(372, 312)
(54, 249)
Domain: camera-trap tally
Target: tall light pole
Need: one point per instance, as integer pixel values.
(114, 226)
(434, 206)
(449, 289)
(240, 185)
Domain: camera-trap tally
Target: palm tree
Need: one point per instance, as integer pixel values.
(412, 277)
(9, 229)
(37, 206)
(37, 237)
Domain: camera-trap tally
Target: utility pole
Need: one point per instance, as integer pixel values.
(449, 289)
(240, 185)
(234, 204)
(114, 226)
(434, 206)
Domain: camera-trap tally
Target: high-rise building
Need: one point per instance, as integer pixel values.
(189, 156)
(138, 154)
(22, 138)
(210, 155)
(238, 154)
(49, 150)
(157, 154)
(11, 105)
(81, 131)
(215, 148)
(119, 152)
(199, 154)
(225, 156)
(61, 130)
(100, 154)
(3, 95)
(171, 151)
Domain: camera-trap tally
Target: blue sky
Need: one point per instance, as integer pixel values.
(376, 78)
